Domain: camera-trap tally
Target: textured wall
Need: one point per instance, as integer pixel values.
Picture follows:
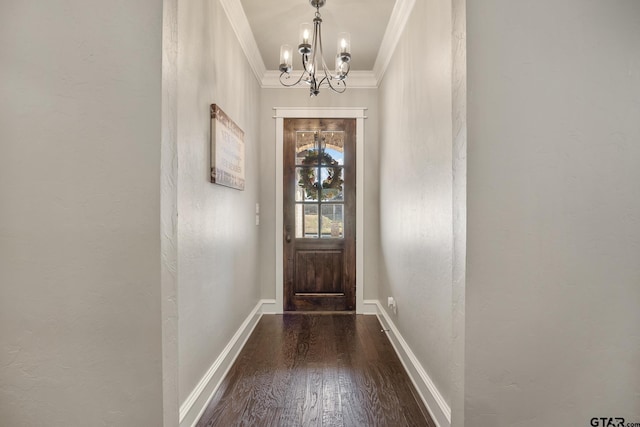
(416, 188)
(553, 271)
(169, 213)
(80, 332)
(287, 97)
(459, 117)
(217, 235)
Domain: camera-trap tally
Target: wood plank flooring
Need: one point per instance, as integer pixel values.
(316, 370)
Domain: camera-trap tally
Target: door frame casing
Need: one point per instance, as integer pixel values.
(357, 113)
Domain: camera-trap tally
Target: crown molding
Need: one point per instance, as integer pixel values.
(397, 21)
(240, 24)
(360, 79)
(356, 80)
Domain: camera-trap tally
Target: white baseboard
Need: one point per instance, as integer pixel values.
(433, 400)
(370, 306)
(269, 307)
(192, 408)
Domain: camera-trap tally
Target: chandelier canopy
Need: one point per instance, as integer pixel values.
(314, 68)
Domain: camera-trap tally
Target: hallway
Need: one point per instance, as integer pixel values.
(317, 370)
(499, 214)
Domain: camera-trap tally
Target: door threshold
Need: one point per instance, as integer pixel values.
(319, 312)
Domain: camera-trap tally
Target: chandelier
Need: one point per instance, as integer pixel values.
(314, 68)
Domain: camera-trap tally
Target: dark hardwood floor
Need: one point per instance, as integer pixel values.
(317, 370)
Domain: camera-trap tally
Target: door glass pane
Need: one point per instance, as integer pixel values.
(307, 184)
(306, 221)
(319, 175)
(306, 148)
(333, 148)
(332, 183)
(332, 221)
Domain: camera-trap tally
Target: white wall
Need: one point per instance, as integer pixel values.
(459, 118)
(416, 188)
(217, 236)
(290, 97)
(80, 331)
(553, 271)
(169, 213)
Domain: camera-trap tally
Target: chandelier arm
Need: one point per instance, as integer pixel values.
(326, 69)
(297, 81)
(317, 36)
(319, 41)
(327, 76)
(340, 85)
(305, 63)
(291, 84)
(327, 73)
(324, 79)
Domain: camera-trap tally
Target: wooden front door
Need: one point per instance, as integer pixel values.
(319, 215)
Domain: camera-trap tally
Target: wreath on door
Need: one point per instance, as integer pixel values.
(331, 185)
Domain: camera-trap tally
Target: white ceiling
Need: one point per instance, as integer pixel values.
(276, 22)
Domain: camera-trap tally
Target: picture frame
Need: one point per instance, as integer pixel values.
(227, 150)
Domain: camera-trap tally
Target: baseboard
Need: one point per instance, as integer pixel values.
(370, 306)
(435, 403)
(269, 307)
(195, 404)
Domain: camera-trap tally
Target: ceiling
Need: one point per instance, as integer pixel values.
(376, 26)
(276, 22)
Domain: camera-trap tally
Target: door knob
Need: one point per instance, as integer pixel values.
(288, 238)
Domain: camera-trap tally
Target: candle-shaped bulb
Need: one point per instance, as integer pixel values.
(285, 59)
(304, 46)
(344, 47)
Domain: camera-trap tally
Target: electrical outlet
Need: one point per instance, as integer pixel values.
(391, 303)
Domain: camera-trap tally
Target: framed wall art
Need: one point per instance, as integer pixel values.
(227, 150)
